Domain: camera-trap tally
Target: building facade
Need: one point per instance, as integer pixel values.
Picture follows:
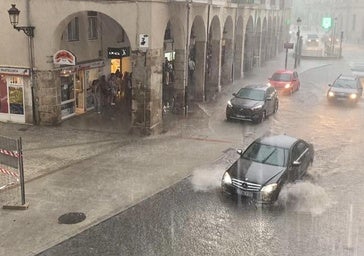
(173, 51)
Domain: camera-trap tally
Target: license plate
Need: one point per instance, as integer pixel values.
(245, 193)
(240, 116)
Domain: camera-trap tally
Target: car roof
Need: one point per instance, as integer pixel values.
(283, 141)
(257, 86)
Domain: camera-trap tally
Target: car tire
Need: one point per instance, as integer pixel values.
(262, 117)
(276, 105)
(228, 118)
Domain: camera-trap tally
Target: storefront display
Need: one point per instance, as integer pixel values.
(12, 96)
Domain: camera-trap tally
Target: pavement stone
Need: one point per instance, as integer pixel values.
(91, 164)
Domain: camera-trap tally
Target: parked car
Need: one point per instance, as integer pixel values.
(286, 81)
(346, 88)
(253, 103)
(266, 166)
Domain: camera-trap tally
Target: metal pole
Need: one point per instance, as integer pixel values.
(297, 48)
(285, 63)
(21, 170)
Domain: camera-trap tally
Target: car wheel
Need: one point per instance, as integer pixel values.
(276, 107)
(262, 117)
(228, 118)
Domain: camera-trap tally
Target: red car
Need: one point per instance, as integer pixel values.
(285, 81)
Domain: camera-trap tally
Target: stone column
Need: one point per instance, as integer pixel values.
(199, 74)
(226, 68)
(238, 57)
(147, 92)
(48, 97)
(180, 81)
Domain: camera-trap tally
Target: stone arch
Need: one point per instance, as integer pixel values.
(198, 55)
(227, 51)
(238, 51)
(258, 39)
(93, 59)
(213, 59)
(249, 45)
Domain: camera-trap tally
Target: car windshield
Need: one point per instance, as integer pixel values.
(250, 93)
(267, 154)
(345, 83)
(281, 77)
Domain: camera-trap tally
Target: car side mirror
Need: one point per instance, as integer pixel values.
(329, 85)
(234, 94)
(239, 151)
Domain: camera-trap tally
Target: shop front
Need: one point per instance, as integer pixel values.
(77, 96)
(14, 91)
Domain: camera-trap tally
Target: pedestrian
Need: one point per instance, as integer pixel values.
(96, 93)
(105, 91)
(128, 88)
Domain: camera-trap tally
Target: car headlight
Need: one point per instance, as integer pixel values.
(331, 94)
(287, 86)
(226, 179)
(267, 191)
(353, 96)
(229, 104)
(257, 107)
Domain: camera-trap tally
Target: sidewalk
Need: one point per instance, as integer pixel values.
(101, 171)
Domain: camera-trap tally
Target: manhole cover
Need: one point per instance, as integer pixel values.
(71, 218)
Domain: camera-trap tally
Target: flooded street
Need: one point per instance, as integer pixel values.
(321, 215)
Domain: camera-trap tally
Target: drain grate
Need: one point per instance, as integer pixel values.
(71, 218)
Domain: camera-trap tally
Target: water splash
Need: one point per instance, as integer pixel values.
(207, 179)
(305, 197)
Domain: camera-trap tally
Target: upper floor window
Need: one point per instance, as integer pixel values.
(92, 25)
(73, 30)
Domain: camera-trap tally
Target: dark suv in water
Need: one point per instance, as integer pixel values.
(253, 103)
(346, 88)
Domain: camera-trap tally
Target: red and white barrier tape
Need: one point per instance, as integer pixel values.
(4, 171)
(9, 153)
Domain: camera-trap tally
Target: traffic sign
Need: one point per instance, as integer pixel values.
(326, 22)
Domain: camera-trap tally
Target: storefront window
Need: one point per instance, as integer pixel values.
(16, 100)
(67, 94)
(67, 88)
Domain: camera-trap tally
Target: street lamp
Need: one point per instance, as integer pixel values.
(298, 42)
(29, 31)
(14, 20)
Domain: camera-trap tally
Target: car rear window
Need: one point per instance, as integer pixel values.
(281, 77)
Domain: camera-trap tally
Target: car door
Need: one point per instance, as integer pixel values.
(301, 159)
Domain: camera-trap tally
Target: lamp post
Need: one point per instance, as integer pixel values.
(298, 43)
(29, 31)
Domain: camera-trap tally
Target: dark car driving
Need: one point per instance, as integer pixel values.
(346, 88)
(253, 103)
(266, 165)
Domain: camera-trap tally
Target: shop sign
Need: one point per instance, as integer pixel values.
(288, 45)
(143, 41)
(118, 53)
(64, 57)
(88, 65)
(15, 71)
